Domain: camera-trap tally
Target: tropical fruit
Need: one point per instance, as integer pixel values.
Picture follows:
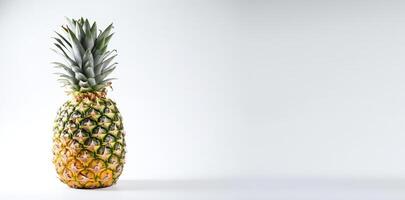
(88, 139)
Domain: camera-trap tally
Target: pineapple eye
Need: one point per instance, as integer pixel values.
(109, 138)
(113, 162)
(65, 134)
(98, 130)
(64, 114)
(104, 150)
(92, 112)
(70, 109)
(60, 123)
(80, 136)
(80, 133)
(67, 174)
(113, 127)
(91, 142)
(118, 149)
(86, 122)
(74, 146)
(76, 115)
(113, 159)
(107, 110)
(119, 169)
(104, 153)
(118, 146)
(103, 119)
(71, 126)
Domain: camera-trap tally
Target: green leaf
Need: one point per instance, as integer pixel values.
(59, 41)
(88, 42)
(101, 40)
(87, 27)
(80, 76)
(93, 31)
(66, 57)
(74, 87)
(97, 59)
(80, 21)
(76, 68)
(103, 84)
(105, 32)
(65, 29)
(77, 48)
(61, 49)
(85, 89)
(108, 53)
(103, 75)
(104, 49)
(58, 63)
(101, 57)
(66, 68)
(71, 24)
(80, 33)
(92, 81)
(70, 78)
(66, 82)
(98, 68)
(109, 67)
(89, 39)
(89, 72)
(101, 45)
(108, 38)
(88, 58)
(84, 84)
(64, 39)
(107, 80)
(99, 87)
(88, 64)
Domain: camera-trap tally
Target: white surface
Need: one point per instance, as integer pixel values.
(248, 189)
(214, 89)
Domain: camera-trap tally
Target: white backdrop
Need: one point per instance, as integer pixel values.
(213, 89)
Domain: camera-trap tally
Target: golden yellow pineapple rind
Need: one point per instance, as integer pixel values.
(89, 143)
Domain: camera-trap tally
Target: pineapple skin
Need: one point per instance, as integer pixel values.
(88, 143)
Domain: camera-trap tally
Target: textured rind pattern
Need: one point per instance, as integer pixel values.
(88, 143)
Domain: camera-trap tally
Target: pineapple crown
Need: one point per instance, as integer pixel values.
(88, 62)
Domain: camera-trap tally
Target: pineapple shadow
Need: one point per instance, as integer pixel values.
(190, 184)
(268, 185)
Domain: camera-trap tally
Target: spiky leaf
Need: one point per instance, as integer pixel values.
(87, 55)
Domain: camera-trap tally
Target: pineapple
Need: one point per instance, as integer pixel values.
(88, 140)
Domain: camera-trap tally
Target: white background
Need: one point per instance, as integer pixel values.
(220, 89)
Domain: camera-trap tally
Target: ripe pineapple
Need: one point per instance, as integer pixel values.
(88, 141)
